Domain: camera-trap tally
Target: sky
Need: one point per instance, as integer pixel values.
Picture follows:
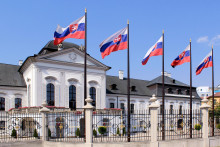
(26, 26)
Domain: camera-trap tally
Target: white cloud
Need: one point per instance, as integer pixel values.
(215, 40)
(202, 39)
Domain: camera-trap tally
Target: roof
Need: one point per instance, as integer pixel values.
(50, 47)
(140, 86)
(9, 76)
(215, 95)
(167, 80)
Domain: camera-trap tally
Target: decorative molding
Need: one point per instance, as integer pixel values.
(73, 57)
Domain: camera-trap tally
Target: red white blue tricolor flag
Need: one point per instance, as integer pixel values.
(74, 30)
(155, 50)
(118, 41)
(206, 62)
(182, 58)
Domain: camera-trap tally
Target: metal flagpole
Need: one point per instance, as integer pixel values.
(85, 68)
(128, 87)
(190, 91)
(163, 107)
(213, 107)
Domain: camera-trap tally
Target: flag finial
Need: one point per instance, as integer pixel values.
(190, 39)
(212, 46)
(128, 22)
(163, 31)
(85, 10)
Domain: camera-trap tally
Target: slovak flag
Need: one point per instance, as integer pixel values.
(117, 41)
(206, 62)
(74, 30)
(182, 58)
(155, 50)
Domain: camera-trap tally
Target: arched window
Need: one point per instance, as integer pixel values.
(18, 102)
(72, 97)
(2, 104)
(50, 94)
(92, 93)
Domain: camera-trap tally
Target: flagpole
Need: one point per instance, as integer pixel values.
(213, 107)
(190, 90)
(128, 86)
(85, 68)
(163, 105)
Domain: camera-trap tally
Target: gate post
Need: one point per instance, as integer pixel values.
(205, 118)
(88, 121)
(44, 112)
(153, 120)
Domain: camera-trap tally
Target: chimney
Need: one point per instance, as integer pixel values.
(20, 62)
(166, 74)
(121, 74)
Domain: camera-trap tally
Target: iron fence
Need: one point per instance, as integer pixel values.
(110, 125)
(216, 123)
(20, 126)
(66, 126)
(177, 124)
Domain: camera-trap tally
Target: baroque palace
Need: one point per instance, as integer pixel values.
(55, 75)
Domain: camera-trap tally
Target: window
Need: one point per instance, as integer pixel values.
(179, 91)
(17, 102)
(93, 95)
(72, 97)
(132, 108)
(180, 109)
(123, 107)
(50, 94)
(2, 125)
(169, 90)
(112, 105)
(114, 87)
(161, 109)
(2, 104)
(187, 92)
(171, 109)
(133, 88)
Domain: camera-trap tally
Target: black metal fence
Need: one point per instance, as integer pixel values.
(66, 126)
(177, 124)
(110, 125)
(20, 126)
(216, 123)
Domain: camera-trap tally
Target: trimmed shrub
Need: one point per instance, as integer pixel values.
(197, 127)
(94, 133)
(117, 132)
(102, 130)
(77, 132)
(124, 131)
(14, 133)
(35, 133)
(49, 133)
(218, 126)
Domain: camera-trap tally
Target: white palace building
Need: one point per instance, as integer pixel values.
(57, 76)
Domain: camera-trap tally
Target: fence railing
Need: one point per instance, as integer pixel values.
(216, 123)
(20, 126)
(177, 124)
(66, 126)
(110, 125)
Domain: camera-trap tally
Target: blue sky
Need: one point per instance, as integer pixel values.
(26, 26)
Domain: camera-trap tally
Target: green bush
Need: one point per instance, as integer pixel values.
(14, 133)
(35, 133)
(117, 132)
(218, 126)
(124, 131)
(102, 130)
(94, 133)
(197, 127)
(77, 132)
(49, 133)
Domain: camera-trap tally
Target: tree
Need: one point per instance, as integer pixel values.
(35, 133)
(14, 133)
